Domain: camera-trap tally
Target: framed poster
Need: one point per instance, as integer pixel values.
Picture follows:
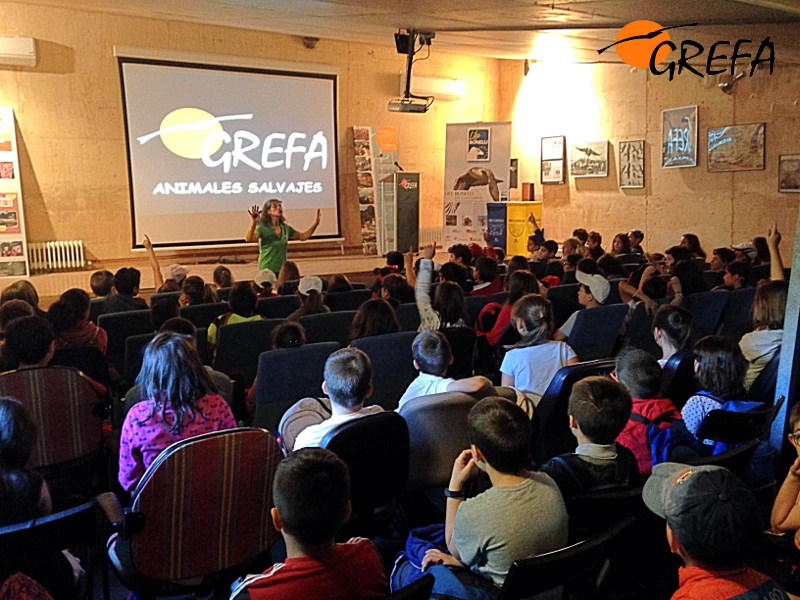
(478, 144)
(13, 244)
(789, 173)
(679, 137)
(736, 148)
(631, 164)
(553, 159)
(588, 159)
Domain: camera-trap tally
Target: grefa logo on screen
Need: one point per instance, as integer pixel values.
(197, 134)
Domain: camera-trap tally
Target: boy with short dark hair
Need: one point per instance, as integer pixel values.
(547, 264)
(348, 383)
(486, 277)
(242, 302)
(126, 287)
(598, 409)
(635, 237)
(432, 355)
(520, 516)
(641, 374)
(311, 491)
(461, 255)
(714, 525)
(736, 275)
(101, 282)
(31, 341)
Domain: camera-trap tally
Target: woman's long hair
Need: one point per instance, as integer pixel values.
(173, 375)
(536, 313)
(374, 317)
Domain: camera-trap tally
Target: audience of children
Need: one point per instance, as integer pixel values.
(432, 355)
(195, 291)
(530, 365)
(672, 328)
(713, 525)
(641, 374)
(486, 277)
(309, 290)
(101, 283)
(593, 291)
(126, 291)
(719, 371)
(265, 282)
(22, 290)
(311, 492)
(374, 317)
(520, 283)
(347, 381)
(223, 278)
(598, 410)
(447, 308)
(761, 344)
(520, 516)
(243, 303)
(222, 383)
(181, 402)
(70, 318)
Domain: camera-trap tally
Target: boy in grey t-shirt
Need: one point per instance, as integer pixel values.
(521, 515)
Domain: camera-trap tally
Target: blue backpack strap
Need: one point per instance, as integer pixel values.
(568, 468)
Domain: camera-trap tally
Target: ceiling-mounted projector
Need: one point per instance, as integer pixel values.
(406, 44)
(410, 104)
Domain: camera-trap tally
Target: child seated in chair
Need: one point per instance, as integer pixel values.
(520, 516)
(719, 369)
(530, 365)
(311, 491)
(641, 374)
(599, 408)
(243, 302)
(347, 381)
(432, 355)
(593, 291)
(713, 524)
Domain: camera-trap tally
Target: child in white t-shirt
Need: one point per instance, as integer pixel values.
(432, 355)
(531, 365)
(593, 291)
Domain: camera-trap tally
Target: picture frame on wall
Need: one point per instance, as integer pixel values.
(631, 164)
(553, 159)
(789, 173)
(679, 137)
(478, 144)
(588, 159)
(736, 148)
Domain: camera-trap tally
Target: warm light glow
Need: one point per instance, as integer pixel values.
(552, 48)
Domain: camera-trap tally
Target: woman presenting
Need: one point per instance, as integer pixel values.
(270, 229)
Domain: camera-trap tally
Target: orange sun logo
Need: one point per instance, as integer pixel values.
(636, 41)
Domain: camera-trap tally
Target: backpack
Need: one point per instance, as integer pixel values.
(671, 443)
(305, 412)
(487, 317)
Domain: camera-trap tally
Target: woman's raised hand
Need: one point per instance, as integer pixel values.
(255, 213)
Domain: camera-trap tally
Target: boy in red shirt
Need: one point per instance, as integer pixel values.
(311, 492)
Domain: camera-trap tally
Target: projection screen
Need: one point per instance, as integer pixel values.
(206, 142)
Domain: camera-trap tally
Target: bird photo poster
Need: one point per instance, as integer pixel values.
(467, 186)
(589, 159)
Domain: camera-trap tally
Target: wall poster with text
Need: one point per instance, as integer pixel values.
(375, 157)
(679, 137)
(13, 245)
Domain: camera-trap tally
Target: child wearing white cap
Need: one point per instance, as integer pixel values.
(593, 291)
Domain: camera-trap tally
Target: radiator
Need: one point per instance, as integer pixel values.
(430, 235)
(47, 257)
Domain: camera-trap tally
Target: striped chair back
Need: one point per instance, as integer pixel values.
(205, 503)
(64, 406)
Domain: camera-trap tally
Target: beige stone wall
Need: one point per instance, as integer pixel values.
(617, 103)
(71, 134)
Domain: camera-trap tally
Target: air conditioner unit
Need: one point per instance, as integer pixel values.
(17, 51)
(439, 88)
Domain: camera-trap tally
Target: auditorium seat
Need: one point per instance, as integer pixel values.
(408, 317)
(239, 345)
(551, 420)
(706, 309)
(351, 300)
(392, 365)
(640, 332)
(679, 382)
(499, 297)
(737, 318)
(278, 307)
(564, 299)
(462, 345)
(119, 326)
(596, 331)
(473, 306)
(202, 315)
(328, 327)
(286, 375)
